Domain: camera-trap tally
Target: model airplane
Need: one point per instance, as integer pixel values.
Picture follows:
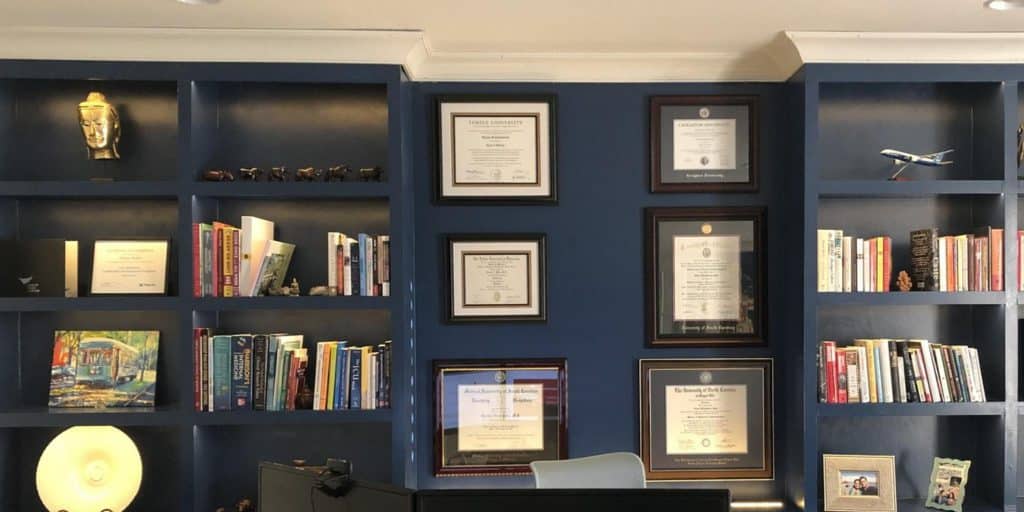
(904, 160)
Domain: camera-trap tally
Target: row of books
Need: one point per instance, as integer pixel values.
(888, 371)
(359, 265)
(238, 262)
(954, 263)
(267, 372)
(340, 369)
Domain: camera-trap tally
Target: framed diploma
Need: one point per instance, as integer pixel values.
(496, 149)
(496, 417)
(130, 267)
(496, 278)
(704, 143)
(706, 419)
(704, 275)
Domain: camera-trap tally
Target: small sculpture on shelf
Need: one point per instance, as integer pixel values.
(337, 173)
(903, 282)
(278, 174)
(218, 175)
(291, 290)
(250, 173)
(101, 127)
(370, 173)
(243, 505)
(295, 288)
(319, 291)
(902, 159)
(308, 174)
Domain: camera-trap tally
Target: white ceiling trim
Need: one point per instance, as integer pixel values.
(903, 47)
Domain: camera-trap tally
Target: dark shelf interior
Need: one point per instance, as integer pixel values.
(43, 140)
(857, 120)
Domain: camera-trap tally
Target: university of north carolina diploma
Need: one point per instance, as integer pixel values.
(704, 144)
(705, 420)
(496, 279)
(501, 417)
(706, 278)
(495, 149)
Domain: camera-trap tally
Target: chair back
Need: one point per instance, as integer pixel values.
(619, 470)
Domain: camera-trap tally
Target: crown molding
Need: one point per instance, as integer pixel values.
(907, 47)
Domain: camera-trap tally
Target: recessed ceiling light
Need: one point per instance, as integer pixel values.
(1004, 5)
(199, 2)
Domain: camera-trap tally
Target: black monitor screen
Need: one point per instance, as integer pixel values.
(562, 500)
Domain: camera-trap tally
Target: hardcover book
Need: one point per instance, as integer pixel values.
(35, 268)
(100, 369)
(276, 258)
(241, 372)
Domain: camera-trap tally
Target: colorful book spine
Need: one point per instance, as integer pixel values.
(221, 373)
(356, 379)
(241, 372)
(260, 354)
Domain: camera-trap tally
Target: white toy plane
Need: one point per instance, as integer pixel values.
(904, 160)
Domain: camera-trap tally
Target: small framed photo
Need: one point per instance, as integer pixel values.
(947, 485)
(704, 143)
(130, 267)
(495, 417)
(706, 419)
(859, 483)
(496, 149)
(704, 276)
(496, 278)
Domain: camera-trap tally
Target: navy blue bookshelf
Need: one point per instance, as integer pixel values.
(178, 120)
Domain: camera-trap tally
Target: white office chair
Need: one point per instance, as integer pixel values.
(620, 470)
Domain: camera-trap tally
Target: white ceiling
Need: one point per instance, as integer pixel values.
(740, 30)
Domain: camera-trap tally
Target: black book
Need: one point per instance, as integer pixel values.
(908, 369)
(924, 259)
(822, 379)
(259, 372)
(32, 268)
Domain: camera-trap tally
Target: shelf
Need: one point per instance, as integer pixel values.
(74, 417)
(79, 189)
(301, 302)
(858, 188)
(265, 190)
(917, 504)
(290, 417)
(912, 298)
(914, 409)
(87, 303)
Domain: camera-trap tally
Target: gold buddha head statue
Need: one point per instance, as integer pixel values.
(101, 127)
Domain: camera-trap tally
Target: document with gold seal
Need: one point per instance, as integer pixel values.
(496, 277)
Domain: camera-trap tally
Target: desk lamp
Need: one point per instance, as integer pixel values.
(89, 469)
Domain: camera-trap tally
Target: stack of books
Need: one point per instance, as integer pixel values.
(888, 371)
(847, 264)
(238, 262)
(265, 372)
(359, 265)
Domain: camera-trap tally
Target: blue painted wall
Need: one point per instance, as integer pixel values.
(595, 264)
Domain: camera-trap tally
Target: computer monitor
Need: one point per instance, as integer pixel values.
(562, 500)
(286, 488)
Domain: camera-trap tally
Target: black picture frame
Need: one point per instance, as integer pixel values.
(707, 377)
(501, 462)
(449, 301)
(661, 115)
(665, 331)
(167, 267)
(549, 199)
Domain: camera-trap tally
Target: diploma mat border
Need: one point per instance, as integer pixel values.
(766, 472)
(167, 267)
(752, 102)
(440, 366)
(448, 240)
(652, 305)
(438, 175)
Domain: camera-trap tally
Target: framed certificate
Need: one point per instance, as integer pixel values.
(496, 149)
(496, 417)
(706, 419)
(704, 143)
(704, 274)
(130, 267)
(496, 277)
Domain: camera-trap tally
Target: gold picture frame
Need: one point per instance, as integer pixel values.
(856, 483)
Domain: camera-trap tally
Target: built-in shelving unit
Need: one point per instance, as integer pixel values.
(178, 120)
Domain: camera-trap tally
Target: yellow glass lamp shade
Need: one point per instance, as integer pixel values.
(89, 469)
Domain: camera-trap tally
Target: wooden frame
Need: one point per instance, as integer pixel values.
(661, 465)
(552, 161)
(884, 466)
(656, 336)
(449, 301)
(657, 103)
(502, 462)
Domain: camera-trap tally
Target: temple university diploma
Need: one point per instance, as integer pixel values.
(704, 144)
(706, 280)
(704, 420)
(501, 417)
(496, 278)
(495, 149)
